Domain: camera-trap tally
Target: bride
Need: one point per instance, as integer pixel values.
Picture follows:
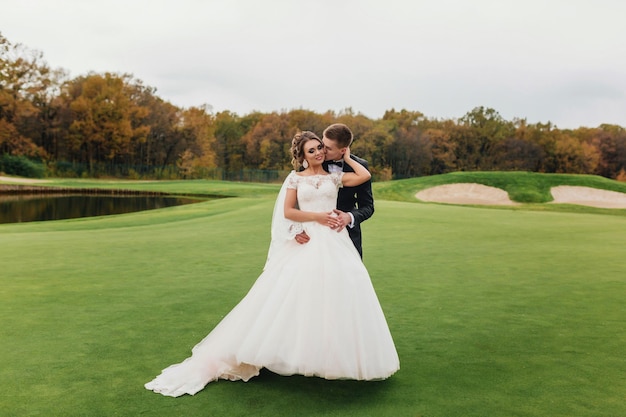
(313, 310)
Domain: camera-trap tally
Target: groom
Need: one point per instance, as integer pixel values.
(354, 204)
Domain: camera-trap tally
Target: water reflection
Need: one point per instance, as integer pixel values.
(29, 208)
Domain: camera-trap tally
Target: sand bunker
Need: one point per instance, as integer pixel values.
(471, 193)
(466, 193)
(586, 196)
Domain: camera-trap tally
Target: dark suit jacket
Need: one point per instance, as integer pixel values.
(357, 200)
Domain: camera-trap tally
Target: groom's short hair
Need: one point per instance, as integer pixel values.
(340, 133)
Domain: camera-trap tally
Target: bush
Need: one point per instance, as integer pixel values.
(21, 166)
(65, 169)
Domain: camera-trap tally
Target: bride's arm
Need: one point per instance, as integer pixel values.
(360, 174)
(294, 214)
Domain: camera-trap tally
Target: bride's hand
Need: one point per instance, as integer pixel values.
(329, 219)
(346, 154)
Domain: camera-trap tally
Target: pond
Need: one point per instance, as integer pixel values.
(39, 207)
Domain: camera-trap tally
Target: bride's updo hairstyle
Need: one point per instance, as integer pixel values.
(297, 147)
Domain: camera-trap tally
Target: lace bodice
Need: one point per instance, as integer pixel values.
(316, 192)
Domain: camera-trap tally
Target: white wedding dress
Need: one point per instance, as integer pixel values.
(313, 310)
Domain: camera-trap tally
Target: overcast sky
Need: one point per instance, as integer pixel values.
(562, 61)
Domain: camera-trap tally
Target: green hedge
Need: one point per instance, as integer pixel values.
(21, 166)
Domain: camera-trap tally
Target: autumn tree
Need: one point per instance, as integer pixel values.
(480, 130)
(267, 143)
(227, 146)
(410, 152)
(198, 125)
(300, 119)
(161, 146)
(573, 156)
(610, 141)
(106, 118)
(374, 145)
(24, 80)
(442, 148)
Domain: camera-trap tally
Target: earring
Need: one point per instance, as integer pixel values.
(305, 164)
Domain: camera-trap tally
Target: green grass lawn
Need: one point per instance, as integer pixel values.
(495, 312)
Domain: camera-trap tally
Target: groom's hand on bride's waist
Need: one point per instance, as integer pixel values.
(346, 219)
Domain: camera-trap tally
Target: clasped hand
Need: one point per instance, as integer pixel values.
(336, 220)
(330, 219)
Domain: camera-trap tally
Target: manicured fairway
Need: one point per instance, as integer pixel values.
(495, 312)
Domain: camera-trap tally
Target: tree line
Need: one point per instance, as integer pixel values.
(99, 122)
